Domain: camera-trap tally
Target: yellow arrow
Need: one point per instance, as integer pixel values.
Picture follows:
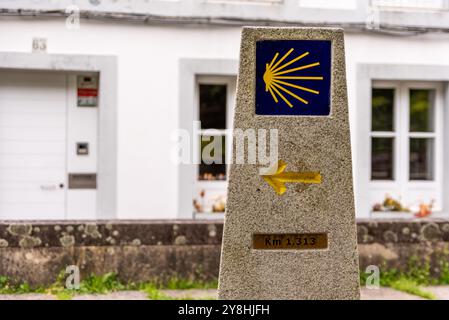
(277, 181)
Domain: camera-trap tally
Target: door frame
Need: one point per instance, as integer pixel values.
(106, 66)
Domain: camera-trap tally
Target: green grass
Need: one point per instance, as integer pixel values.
(412, 281)
(183, 284)
(444, 272)
(153, 293)
(64, 295)
(102, 284)
(93, 284)
(410, 286)
(7, 286)
(416, 276)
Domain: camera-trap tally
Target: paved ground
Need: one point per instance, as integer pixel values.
(386, 294)
(28, 296)
(441, 292)
(192, 294)
(121, 295)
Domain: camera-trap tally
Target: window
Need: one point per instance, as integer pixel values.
(383, 134)
(406, 143)
(212, 109)
(215, 100)
(422, 134)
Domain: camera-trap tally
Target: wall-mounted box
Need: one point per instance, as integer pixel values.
(87, 90)
(82, 148)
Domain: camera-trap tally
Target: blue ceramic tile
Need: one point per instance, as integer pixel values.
(293, 77)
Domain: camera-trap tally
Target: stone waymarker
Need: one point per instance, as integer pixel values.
(291, 234)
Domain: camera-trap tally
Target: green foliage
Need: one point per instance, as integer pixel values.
(176, 283)
(153, 293)
(8, 286)
(93, 284)
(419, 271)
(444, 272)
(410, 281)
(416, 275)
(101, 284)
(64, 294)
(387, 276)
(412, 287)
(58, 288)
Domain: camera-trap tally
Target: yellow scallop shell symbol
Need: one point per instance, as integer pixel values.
(276, 78)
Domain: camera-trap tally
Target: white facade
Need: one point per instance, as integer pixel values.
(152, 101)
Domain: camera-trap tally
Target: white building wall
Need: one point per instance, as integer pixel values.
(148, 104)
(431, 49)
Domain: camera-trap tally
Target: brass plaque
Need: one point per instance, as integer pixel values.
(290, 241)
(82, 181)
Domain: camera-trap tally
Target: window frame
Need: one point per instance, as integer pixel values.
(387, 134)
(189, 70)
(402, 136)
(230, 82)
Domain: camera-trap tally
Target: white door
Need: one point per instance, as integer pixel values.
(33, 108)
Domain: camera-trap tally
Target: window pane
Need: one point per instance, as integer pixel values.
(421, 111)
(213, 106)
(382, 110)
(382, 152)
(421, 159)
(213, 166)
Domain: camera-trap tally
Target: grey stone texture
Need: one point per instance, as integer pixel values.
(154, 254)
(404, 244)
(137, 251)
(305, 144)
(41, 234)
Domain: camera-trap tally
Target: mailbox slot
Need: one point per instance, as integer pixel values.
(82, 180)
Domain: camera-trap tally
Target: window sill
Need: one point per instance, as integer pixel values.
(405, 215)
(209, 216)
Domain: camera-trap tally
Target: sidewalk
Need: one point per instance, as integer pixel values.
(441, 292)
